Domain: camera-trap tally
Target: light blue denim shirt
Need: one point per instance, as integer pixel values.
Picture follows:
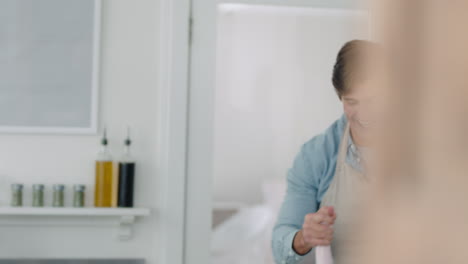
(308, 180)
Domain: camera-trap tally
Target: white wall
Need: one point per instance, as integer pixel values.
(273, 90)
(128, 96)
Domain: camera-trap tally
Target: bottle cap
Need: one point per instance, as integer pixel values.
(38, 187)
(17, 186)
(59, 187)
(104, 137)
(79, 187)
(128, 141)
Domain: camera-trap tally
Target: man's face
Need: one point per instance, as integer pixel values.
(360, 108)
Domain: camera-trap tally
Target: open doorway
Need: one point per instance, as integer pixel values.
(265, 91)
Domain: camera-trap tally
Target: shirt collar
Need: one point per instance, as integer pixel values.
(351, 145)
(353, 156)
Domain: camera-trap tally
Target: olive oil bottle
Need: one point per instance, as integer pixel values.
(126, 180)
(105, 177)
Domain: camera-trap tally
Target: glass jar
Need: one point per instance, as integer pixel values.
(59, 195)
(79, 195)
(38, 195)
(17, 195)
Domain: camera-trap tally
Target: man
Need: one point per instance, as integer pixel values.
(330, 169)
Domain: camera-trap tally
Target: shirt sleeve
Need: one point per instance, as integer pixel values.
(303, 181)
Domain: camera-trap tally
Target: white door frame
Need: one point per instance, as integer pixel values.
(174, 54)
(186, 105)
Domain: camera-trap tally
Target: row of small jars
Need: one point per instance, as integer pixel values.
(38, 195)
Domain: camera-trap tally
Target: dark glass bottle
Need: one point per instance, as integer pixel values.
(126, 176)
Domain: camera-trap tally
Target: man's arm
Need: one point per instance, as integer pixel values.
(300, 200)
(304, 178)
(299, 244)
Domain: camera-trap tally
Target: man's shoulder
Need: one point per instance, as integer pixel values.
(327, 142)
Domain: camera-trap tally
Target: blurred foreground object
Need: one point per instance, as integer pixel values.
(417, 212)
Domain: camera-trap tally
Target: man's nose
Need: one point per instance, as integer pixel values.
(366, 111)
(365, 115)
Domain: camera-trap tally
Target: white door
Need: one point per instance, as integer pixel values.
(259, 87)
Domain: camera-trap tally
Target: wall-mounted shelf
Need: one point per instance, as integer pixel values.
(126, 216)
(67, 211)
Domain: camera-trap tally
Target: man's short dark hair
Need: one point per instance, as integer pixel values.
(351, 63)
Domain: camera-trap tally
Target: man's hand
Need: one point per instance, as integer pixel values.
(317, 230)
